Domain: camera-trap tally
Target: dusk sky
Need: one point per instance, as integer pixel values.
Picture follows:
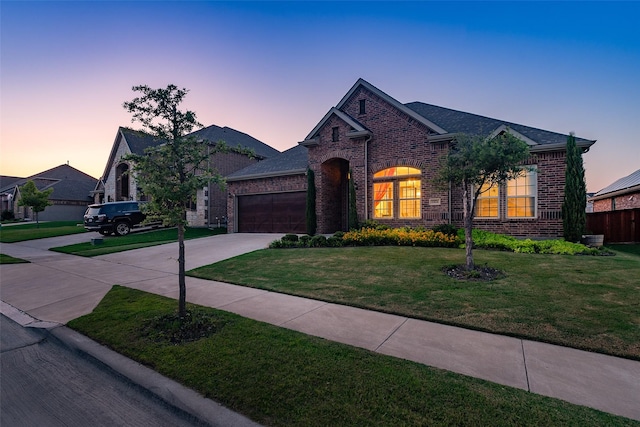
(273, 69)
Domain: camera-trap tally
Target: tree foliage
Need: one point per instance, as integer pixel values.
(171, 173)
(574, 217)
(476, 160)
(37, 200)
(311, 218)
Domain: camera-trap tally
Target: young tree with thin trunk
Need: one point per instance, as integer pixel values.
(171, 173)
(574, 217)
(474, 164)
(37, 200)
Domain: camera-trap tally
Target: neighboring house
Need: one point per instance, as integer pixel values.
(71, 194)
(622, 194)
(117, 183)
(392, 152)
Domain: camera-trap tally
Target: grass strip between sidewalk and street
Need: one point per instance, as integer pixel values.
(136, 240)
(31, 231)
(586, 302)
(8, 259)
(280, 377)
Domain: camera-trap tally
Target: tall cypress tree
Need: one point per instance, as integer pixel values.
(353, 209)
(574, 217)
(312, 221)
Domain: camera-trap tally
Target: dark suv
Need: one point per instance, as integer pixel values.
(113, 217)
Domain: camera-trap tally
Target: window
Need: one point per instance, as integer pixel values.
(522, 194)
(396, 193)
(334, 134)
(488, 202)
(362, 107)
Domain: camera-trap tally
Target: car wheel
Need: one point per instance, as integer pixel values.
(105, 232)
(122, 228)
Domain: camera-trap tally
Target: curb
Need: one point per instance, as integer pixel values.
(168, 390)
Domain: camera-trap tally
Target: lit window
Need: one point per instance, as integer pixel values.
(397, 186)
(409, 198)
(383, 200)
(488, 201)
(521, 195)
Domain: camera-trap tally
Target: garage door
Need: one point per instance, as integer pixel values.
(272, 213)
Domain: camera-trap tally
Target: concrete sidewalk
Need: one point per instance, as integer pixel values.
(58, 288)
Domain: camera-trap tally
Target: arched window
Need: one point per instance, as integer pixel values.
(122, 182)
(396, 193)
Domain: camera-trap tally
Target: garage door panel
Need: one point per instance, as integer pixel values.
(272, 213)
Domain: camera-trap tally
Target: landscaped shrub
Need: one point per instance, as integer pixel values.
(290, 238)
(370, 223)
(486, 240)
(399, 237)
(448, 229)
(318, 241)
(7, 215)
(334, 242)
(304, 241)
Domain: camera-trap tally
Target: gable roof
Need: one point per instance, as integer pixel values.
(293, 161)
(138, 141)
(358, 128)
(8, 182)
(68, 183)
(233, 138)
(628, 184)
(461, 122)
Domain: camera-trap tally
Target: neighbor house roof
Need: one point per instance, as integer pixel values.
(234, 138)
(68, 183)
(138, 141)
(293, 161)
(628, 184)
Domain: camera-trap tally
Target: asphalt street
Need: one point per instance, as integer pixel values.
(44, 383)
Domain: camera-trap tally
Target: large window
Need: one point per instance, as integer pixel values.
(396, 193)
(521, 195)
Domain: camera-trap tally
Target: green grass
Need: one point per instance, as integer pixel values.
(112, 244)
(7, 259)
(280, 377)
(586, 302)
(20, 233)
(629, 249)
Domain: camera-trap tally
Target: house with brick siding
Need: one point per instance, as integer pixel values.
(622, 194)
(392, 151)
(210, 208)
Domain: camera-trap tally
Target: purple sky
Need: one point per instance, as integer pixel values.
(273, 69)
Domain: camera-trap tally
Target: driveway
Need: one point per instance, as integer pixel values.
(58, 287)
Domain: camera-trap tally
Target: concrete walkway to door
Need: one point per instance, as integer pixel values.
(57, 288)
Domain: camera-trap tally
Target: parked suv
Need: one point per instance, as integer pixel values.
(113, 217)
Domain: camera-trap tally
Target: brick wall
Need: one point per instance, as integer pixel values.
(625, 201)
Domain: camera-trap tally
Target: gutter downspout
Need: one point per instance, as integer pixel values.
(366, 177)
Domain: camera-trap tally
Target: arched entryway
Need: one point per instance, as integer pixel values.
(334, 200)
(122, 182)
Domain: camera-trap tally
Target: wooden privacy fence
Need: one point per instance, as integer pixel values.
(617, 226)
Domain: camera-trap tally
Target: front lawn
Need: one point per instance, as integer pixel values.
(112, 244)
(280, 377)
(586, 302)
(20, 233)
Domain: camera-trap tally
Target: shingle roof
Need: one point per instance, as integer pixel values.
(622, 184)
(138, 141)
(8, 182)
(233, 138)
(289, 162)
(68, 183)
(455, 121)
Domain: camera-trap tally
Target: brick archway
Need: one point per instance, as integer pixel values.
(334, 196)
